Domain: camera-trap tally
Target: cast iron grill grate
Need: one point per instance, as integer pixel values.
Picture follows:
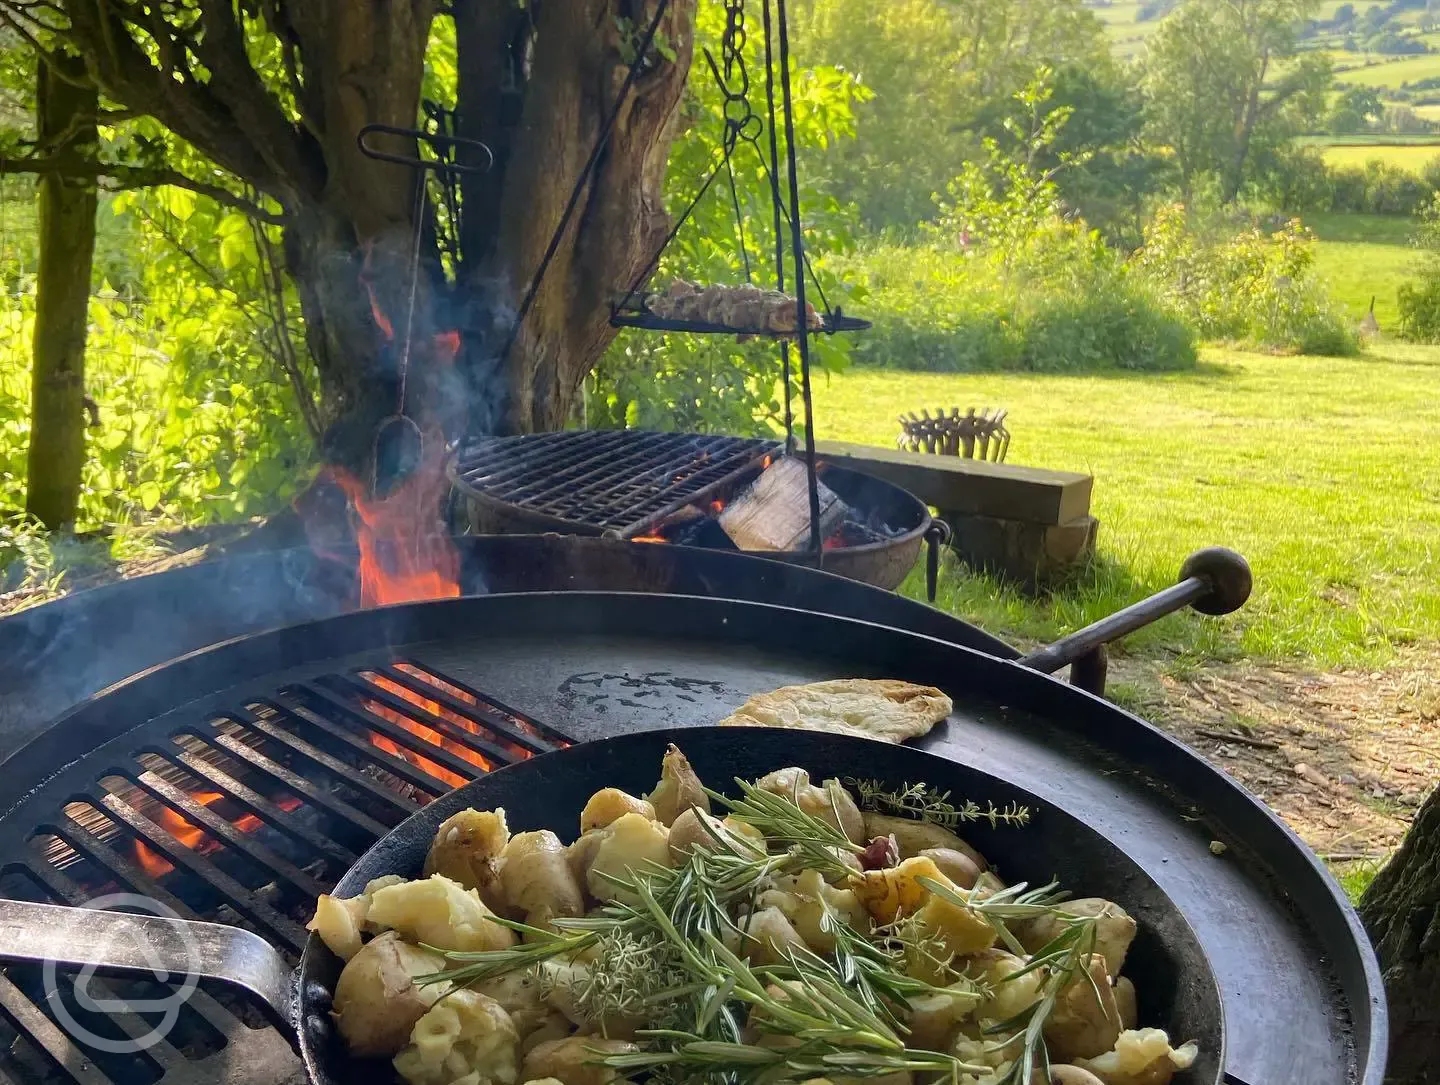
(239, 817)
(608, 480)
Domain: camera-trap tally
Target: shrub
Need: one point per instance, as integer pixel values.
(1420, 302)
(1249, 287)
(1065, 304)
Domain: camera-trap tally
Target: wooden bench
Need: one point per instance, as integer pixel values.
(1027, 523)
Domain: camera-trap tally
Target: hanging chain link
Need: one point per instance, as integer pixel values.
(741, 121)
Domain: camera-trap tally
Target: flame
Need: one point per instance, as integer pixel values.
(405, 554)
(447, 345)
(469, 698)
(717, 507)
(649, 539)
(192, 836)
(766, 462)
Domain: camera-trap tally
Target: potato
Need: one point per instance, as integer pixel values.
(1072, 1075)
(1010, 994)
(1125, 1003)
(1114, 929)
(933, 1018)
(580, 855)
(1082, 1025)
(519, 995)
(830, 803)
(769, 935)
(464, 1033)
(440, 913)
(679, 788)
(565, 983)
(960, 930)
(1140, 1057)
(377, 1000)
(572, 1060)
(806, 898)
(629, 843)
(556, 1026)
(467, 850)
(896, 891)
(955, 865)
(915, 837)
(537, 879)
(338, 923)
(610, 803)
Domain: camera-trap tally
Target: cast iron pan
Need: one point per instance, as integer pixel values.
(1177, 989)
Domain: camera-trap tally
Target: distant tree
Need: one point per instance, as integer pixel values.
(1217, 91)
(935, 69)
(1375, 18)
(1344, 16)
(1355, 110)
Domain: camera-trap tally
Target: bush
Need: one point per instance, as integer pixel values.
(1066, 304)
(1248, 287)
(1420, 302)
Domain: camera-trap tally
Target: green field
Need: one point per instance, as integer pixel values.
(1360, 256)
(1392, 73)
(1325, 472)
(1407, 156)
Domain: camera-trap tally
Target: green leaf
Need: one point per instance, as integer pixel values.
(148, 495)
(180, 202)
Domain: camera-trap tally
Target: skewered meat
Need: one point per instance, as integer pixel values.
(742, 307)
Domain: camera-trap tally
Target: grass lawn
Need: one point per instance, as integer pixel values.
(1324, 472)
(1407, 156)
(1361, 256)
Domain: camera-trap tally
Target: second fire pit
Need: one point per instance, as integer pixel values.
(668, 488)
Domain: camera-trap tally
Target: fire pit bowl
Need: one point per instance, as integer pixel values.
(234, 784)
(631, 484)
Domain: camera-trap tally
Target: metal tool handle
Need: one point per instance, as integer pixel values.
(1213, 581)
(97, 940)
(937, 535)
(440, 142)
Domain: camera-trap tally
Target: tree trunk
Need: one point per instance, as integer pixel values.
(1401, 910)
(66, 108)
(536, 80)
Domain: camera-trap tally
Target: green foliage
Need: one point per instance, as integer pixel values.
(1009, 282)
(1245, 286)
(935, 71)
(1215, 96)
(709, 383)
(1064, 304)
(1300, 179)
(1420, 302)
(197, 422)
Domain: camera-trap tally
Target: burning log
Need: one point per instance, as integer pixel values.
(774, 513)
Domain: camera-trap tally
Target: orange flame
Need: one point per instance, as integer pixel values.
(192, 836)
(405, 554)
(649, 539)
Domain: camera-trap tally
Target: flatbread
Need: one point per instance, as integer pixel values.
(883, 708)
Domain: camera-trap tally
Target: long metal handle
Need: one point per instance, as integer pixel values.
(124, 942)
(1213, 581)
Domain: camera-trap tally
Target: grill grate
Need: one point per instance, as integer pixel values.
(614, 480)
(243, 818)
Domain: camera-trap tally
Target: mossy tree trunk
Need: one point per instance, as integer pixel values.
(66, 106)
(1401, 910)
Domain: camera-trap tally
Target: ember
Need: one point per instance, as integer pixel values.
(193, 837)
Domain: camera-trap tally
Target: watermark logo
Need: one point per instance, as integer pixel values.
(130, 944)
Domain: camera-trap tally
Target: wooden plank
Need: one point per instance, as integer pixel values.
(954, 484)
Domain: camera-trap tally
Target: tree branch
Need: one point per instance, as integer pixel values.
(138, 177)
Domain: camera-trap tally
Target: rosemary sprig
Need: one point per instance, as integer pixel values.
(923, 803)
(816, 843)
(1013, 902)
(1063, 958)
